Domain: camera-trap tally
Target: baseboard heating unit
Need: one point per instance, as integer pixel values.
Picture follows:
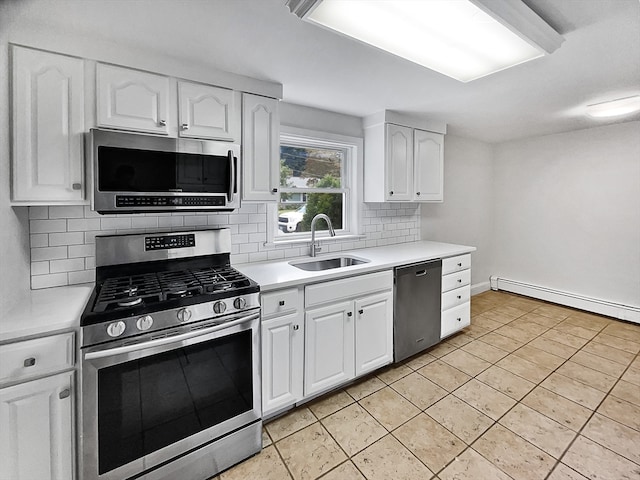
(590, 304)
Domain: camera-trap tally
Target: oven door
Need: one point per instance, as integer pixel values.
(147, 403)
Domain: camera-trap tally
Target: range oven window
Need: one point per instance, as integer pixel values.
(131, 170)
(150, 403)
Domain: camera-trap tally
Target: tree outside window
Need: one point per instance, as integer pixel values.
(312, 181)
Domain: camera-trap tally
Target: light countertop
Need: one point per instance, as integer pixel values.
(57, 309)
(45, 311)
(273, 275)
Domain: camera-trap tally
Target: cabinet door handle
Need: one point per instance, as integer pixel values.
(162, 123)
(281, 303)
(274, 190)
(360, 311)
(185, 126)
(64, 393)
(349, 314)
(29, 362)
(418, 193)
(459, 319)
(76, 186)
(296, 327)
(391, 192)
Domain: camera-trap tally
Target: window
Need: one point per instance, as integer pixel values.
(317, 175)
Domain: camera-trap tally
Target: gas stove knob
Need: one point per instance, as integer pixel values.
(219, 307)
(239, 303)
(184, 314)
(116, 329)
(144, 323)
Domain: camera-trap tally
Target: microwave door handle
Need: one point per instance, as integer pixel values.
(232, 176)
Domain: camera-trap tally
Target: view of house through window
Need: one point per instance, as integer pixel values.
(312, 181)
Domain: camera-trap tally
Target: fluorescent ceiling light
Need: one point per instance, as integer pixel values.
(614, 108)
(463, 39)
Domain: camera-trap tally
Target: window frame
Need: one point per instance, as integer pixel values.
(351, 173)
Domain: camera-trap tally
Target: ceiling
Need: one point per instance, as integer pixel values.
(599, 60)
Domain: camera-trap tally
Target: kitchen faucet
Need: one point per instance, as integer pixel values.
(315, 248)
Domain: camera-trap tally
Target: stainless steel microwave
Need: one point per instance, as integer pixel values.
(136, 173)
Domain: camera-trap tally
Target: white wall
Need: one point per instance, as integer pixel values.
(466, 215)
(14, 235)
(567, 212)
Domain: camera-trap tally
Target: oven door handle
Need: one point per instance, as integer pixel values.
(167, 340)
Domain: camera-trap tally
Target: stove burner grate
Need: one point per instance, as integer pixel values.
(120, 293)
(124, 292)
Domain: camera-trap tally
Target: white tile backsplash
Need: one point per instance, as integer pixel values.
(63, 237)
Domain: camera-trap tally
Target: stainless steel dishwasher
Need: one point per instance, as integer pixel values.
(416, 308)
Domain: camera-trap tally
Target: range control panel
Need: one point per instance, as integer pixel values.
(166, 242)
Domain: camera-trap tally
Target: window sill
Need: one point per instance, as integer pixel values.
(323, 238)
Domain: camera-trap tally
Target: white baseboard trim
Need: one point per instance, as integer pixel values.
(477, 288)
(595, 305)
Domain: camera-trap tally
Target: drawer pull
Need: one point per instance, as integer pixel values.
(460, 264)
(459, 280)
(29, 362)
(296, 327)
(281, 303)
(360, 312)
(459, 297)
(64, 393)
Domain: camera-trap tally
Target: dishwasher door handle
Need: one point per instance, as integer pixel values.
(421, 273)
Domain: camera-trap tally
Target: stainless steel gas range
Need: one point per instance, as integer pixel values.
(170, 359)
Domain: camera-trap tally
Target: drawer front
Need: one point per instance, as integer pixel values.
(280, 302)
(348, 288)
(456, 264)
(455, 318)
(40, 356)
(456, 297)
(456, 280)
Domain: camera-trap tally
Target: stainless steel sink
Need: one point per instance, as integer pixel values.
(328, 263)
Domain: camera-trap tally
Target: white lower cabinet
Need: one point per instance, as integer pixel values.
(329, 347)
(456, 294)
(282, 349)
(374, 332)
(348, 329)
(36, 438)
(36, 411)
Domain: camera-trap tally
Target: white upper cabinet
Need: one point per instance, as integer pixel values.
(132, 100)
(428, 164)
(399, 167)
(48, 126)
(260, 148)
(403, 163)
(208, 112)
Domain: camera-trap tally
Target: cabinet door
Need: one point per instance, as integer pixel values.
(132, 100)
(282, 362)
(260, 148)
(374, 332)
(207, 112)
(48, 127)
(329, 343)
(399, 164)
(428, 166)
(36, 438)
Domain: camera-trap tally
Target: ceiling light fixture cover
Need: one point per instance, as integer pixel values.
(614, 108)
(463, 39)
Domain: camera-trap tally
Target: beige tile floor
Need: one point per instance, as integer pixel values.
(529, 391)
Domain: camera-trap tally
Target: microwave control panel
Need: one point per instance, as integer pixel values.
(124, 201)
